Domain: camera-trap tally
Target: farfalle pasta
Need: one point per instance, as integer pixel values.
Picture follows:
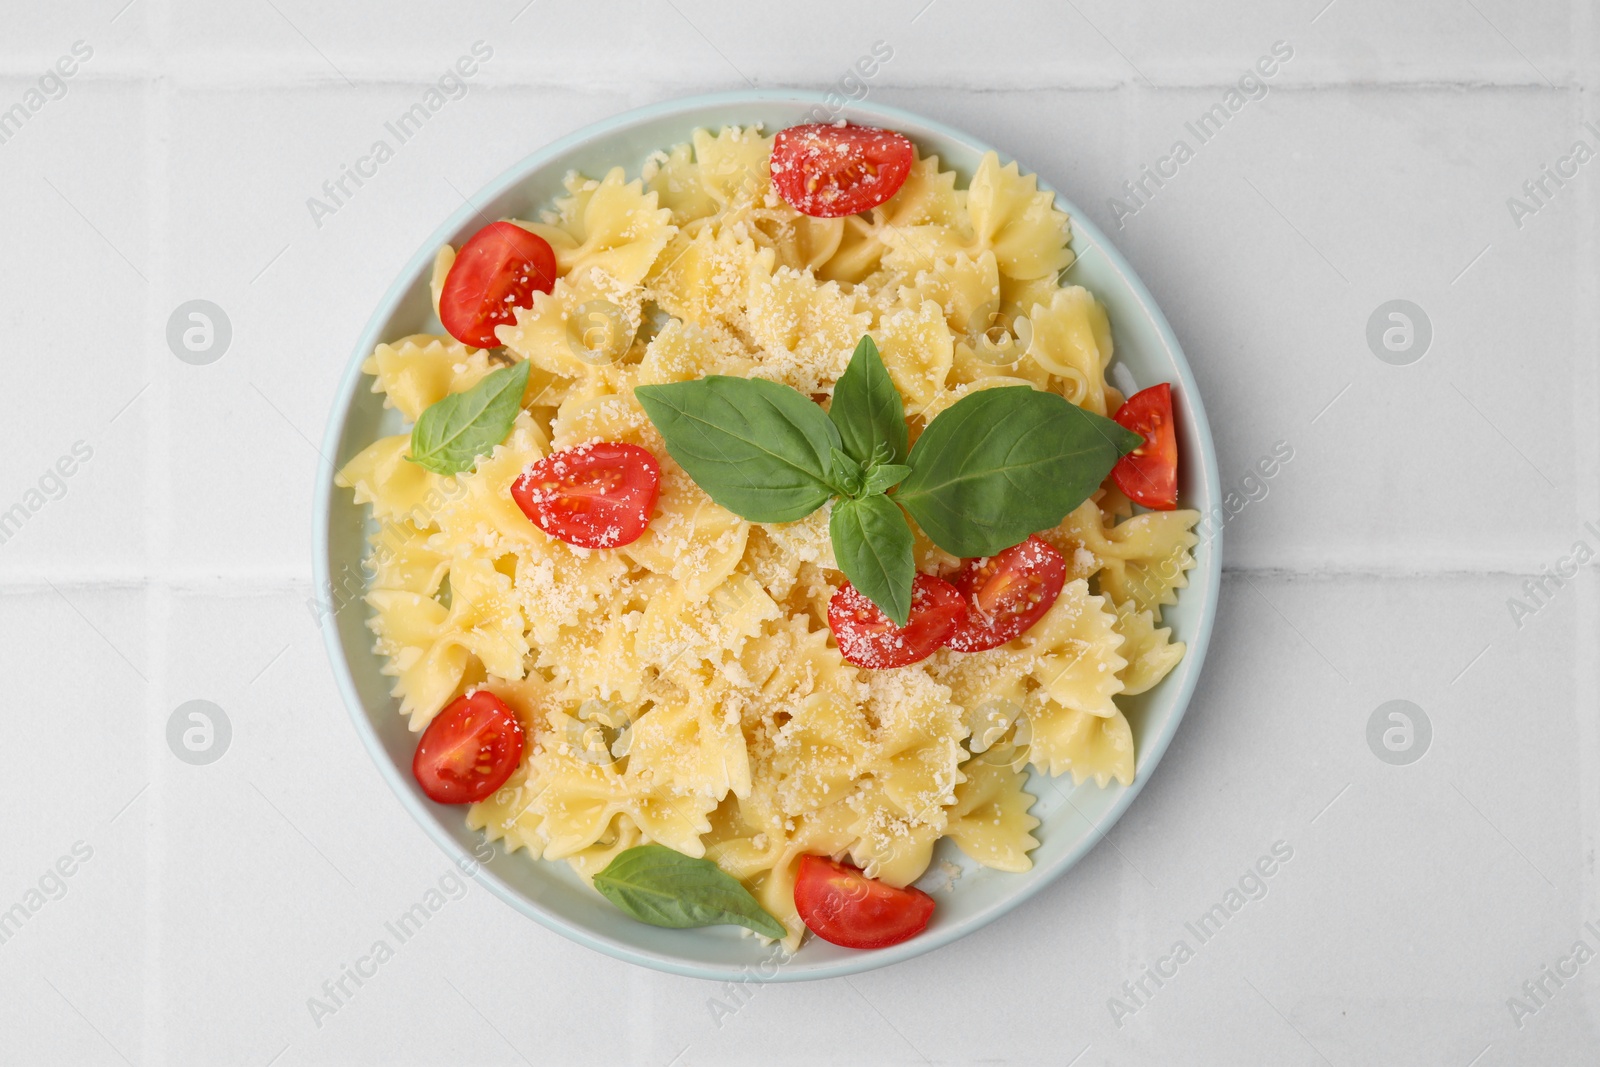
(684, 689)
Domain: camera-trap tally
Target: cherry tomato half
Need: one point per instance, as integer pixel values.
(826, 171)
(594, 496)
(498, 269)
(468, 750)
(844, 906)
(1005, 594)
(1149, 474)
(869, 638)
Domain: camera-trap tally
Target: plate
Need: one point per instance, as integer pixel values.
(1072, 818)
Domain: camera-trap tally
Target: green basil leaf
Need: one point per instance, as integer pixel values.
(872, 543)
(760, 449)
(452, 433)
(661, 887)
(1003, 463)
(867, 409)
(848, 475)
(884, 477)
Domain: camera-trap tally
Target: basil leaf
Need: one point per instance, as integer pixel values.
(872, 543)
(1003, 463)
(452, 433)
(760, 449)
(661, 887)
(848, 475)
(883, 477)
(867, 409)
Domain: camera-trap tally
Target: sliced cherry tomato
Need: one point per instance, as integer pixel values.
(1005, 594)
(498, 269)
(597, 495)
(826, 171)
(1149, 474)
(468, 750)
(844, 906)
(869, 638)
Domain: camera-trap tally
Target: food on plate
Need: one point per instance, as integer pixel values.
(761, 521)
(1006, 594)
(868, 638)
(469, 750)
(1149, 474)
(596, 495)
(495, 273)
(826, 170)
(844, 906)
(659, 886)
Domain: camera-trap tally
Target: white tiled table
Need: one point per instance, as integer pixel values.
(1418, 899)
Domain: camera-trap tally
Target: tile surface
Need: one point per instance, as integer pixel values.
(1424, 913)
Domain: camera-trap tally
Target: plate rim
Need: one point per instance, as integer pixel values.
(1155, 747)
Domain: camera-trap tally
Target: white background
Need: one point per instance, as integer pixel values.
(1377, 567)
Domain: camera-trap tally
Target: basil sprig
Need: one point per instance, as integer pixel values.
(661, 887)
(767, 453)
(991, 469)
(452, 433)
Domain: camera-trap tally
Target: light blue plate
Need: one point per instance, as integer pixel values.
(550, 893)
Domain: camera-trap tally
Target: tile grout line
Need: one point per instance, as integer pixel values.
(158, 605)
(267, 583)
(1585, 394)
(264, 71)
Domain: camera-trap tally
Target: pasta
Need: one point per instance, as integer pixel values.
(684, 689)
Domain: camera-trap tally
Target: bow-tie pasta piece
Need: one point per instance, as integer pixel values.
(507, 816)
(690, 539)
(733, 166)
(1075, 651)
(430, 647)
(612, 226)
(890, 843)
(477, 514)
(818, 753)
(675, 179)
(582, 329)
(701, 275)
(1065, 739)
(1022, 226)
(804, 330)
(422, 369)
(689, 746)
(420, 651)
(1146, 559)
(966, 287)
(989, 819)
(1150, 651)
(397, 489)
(677, 630)
(1071, 338)
(443, 260)
(402, 558)
(682, 352)
(916, 348)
